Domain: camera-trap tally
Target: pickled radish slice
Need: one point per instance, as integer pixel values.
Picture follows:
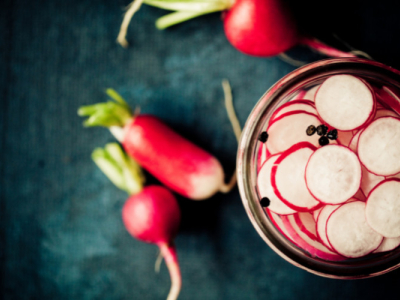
(379, 146)
(354, 142)
(345, 102)
(288, 179)
(265, 188)
(313, 247)
(388, 244)
(383, 208)
(385, 113)
(369, 180)
(344, 137)
(310, 94)
(321, 223)
(316, 213)
(289, 129)
(277, 221)
(389, 98)
(348, 232)
(305, 221)
(333, 174)
(300, 105)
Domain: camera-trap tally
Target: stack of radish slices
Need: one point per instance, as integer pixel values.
(329, 169)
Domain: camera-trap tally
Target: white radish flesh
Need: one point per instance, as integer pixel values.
(354, 142)
(265, 188)
(388, 244)
(379, 146)
(288, 178)
(316, 213)
(290, 129)
(349, 233)
(313, 247)
(310, 94)
(345, 102)
(383, 208)
(333, 174)
(321, 223)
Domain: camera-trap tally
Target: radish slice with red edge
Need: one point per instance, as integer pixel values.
(310, 94)
(277, 221)
(389, 98)
(369, 180)
(383, 208)
(385, 113)
(388, 244)
(314, 248)
(349, 233)
(288, 178)
(344, 137)
(333, 174)
(345, 102)
(316, 213)
(289, 129)
(301, 105)
(266, 190)
(305, 221)
(379, 146)
(354, 141)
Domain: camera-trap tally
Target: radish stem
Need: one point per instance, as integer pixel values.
(171, 260)
(325, 49)
(131, 10)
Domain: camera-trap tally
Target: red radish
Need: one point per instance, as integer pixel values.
(266, 190)
(288, 178)
(333, 174)
(301, 239)
(172, 159)
(150, 214)
(349, 233)
(289, 129)
(383, 208)
(254, 27)
(345, 102)
(379, 146)
(295, 105)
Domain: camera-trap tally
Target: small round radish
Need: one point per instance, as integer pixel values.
(254, 27)
(311, 246)
(383, 208)
(333, 174)
(349, 233)
(379, 146)
(288, 178)
(388, 244)
(345, 102)
(289, 129)
(150, 214)
(266, 190)
(172, 159)
(295, 105)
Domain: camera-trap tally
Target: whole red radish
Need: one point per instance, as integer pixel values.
(151, 214)
(172, 159)
(255, 27)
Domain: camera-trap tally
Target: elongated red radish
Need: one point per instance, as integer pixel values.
(150, 214)
(266, 190)
(314, 248)
(388, 244)
(277, 221)
(254, 27)
(173, 160)
(388, 98)
(349, 233)
(345, 102)
(333, 174)
(369, 180)
(379, 146)
(354, 141)
(295, 105)
(344, 137)
(289, 129)
(288, 179)
(306, 223)
(383, 208)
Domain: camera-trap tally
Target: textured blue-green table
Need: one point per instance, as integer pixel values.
(61, 232)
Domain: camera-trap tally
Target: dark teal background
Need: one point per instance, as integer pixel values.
(61, 233)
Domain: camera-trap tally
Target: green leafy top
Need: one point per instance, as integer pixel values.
(107, 114)
(122, 170)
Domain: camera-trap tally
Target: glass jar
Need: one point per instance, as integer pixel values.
(299, 81)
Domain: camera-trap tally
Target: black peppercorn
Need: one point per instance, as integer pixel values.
(322, 130)
(263, 137)
(311, 130)
(332, 134)
(323, 140)
(265, 202)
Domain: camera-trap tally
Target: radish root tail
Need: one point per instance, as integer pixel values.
(131, 10)
(158, 262)
(291, 61)
(169, 254)
(226, 188)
